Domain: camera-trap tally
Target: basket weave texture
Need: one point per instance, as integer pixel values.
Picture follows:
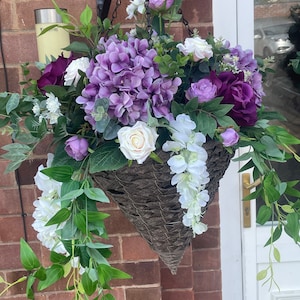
(149, 201)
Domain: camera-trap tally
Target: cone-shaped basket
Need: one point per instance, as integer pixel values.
(147, 198)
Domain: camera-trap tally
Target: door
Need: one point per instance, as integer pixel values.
(242, 249)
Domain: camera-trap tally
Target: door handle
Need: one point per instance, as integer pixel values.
(247, 203)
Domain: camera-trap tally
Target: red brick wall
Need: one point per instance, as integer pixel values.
(198, 276)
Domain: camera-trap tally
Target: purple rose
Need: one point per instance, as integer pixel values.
(230, 137)
(236, 91)
(204, 90)
(160, 4)
(77, 147)
(54, 73)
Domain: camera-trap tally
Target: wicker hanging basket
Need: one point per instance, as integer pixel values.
(150, 202)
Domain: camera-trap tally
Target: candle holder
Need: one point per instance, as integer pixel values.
(52, 42)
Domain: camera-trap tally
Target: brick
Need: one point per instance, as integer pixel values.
(19, 288)
(142, 273)
(178, 295)
(8, 179)
(116, 249)
(207, 281)
(206, 259)
(6, 14)
(208, 296)
(136, 248)
(61, 296)
(29, 195)
(118, 224)
(12, 229)
(12, 82)
(212, 215)
(144, 293)
(209, 239)
(10, 256)
(28, 170)
(9, 204)
(183, 278)
(195, 12)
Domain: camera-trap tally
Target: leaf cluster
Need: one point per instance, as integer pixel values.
(82, 232)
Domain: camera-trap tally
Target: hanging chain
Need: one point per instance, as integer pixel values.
(148, 20)
(185, 23)
(115, 11)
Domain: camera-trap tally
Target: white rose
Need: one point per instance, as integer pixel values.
(72, 76)
(138, 141)
(196, 46)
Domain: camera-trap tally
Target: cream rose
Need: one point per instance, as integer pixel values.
(138, 141)
(196, 46)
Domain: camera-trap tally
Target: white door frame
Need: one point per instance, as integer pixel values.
(233, 20)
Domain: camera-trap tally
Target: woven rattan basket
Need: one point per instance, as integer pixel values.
(150, 202)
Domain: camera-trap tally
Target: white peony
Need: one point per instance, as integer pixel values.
(72, 76)
(138, 141)
(196, 46)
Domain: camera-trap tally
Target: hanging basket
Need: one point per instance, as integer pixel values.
(147, 198)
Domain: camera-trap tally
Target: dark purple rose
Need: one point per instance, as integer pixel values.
(236, 91)
(230, 137)
(204, 90)
(54, 72)
(77, 147)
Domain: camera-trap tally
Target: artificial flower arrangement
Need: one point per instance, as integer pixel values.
(120, 100)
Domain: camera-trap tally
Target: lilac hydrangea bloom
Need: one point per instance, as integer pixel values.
(126, 74)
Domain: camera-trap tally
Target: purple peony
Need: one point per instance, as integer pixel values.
(204, 90)
(236, 91)
(230, 137)
(159, 5)
(54, 72)
(77, 147)
(126, 74)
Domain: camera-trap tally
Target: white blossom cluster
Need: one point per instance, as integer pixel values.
(45, 208)
(48, 109)
(188, 164)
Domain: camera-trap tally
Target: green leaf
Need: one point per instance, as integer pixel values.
(88, 285)
(107, 157)
(40, 273)
(57, 258)
(276, 234)
(61, 216)
(16, 147)
(12, 103)
(29, 291)
(287, 208)
(86, 16)
(59, 173)
(96, 194)
(292, 226)
(264, 214)
(98, 245)
(29, 259)
(276, 254)
(206, 124)
(114, 273)
(97, 256)
(262, 275)
(94, 216)
(108, 297)
(78, 47)
(53, 274)
(80, 222)
(72, 195)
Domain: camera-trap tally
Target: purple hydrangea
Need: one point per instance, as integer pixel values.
(126, 74)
